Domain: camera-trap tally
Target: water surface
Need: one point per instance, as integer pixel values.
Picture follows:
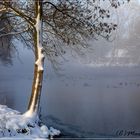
(83, 102)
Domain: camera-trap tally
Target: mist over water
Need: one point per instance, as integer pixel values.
(97, 95)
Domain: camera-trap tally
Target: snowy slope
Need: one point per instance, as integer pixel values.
(14, 125)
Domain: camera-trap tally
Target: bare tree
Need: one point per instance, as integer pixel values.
(47, 26)
(6, 47)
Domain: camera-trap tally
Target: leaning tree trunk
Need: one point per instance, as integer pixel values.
(39, 62)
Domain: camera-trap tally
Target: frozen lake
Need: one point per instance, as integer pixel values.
(84, 102)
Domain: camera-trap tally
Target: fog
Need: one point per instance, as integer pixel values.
(96, 94)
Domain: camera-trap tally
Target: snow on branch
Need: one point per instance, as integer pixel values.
(3, 9)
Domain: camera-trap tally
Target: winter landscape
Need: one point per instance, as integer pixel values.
(95, 94)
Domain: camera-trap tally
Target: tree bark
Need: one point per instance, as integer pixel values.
(34, 102)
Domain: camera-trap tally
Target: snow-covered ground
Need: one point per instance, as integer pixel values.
(14, 125)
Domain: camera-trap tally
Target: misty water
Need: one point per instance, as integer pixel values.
(97, 95)
(85, 101)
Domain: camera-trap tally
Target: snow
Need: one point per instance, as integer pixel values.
(30, 113)
(13, 125)
(41, 56)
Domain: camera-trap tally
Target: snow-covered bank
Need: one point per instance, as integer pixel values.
(16, 125)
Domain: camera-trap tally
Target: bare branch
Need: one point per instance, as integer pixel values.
(3, 9)
(19, 13)
(14, 33)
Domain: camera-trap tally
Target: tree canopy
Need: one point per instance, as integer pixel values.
(64, 22)
(47, 26)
